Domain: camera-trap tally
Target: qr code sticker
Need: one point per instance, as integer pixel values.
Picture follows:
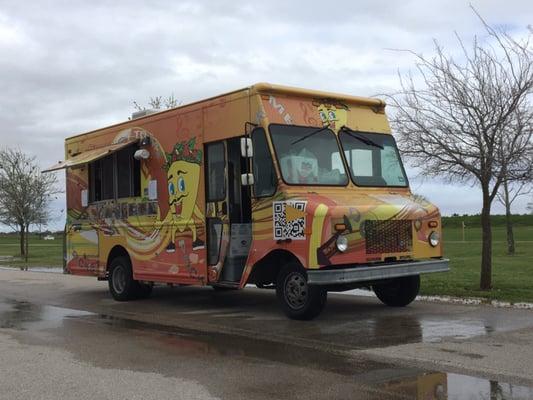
(289, 219)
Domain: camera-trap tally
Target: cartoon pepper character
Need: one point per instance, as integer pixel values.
(183, 177)
(334, 116)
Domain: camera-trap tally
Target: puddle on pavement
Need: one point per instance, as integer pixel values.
(388, 378)
(379, 330)
(22, 315)
(466, 387)
(441, 386)
(436, 330)
(68, 323)
(391, 330)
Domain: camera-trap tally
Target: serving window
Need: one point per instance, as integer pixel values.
(115, 176)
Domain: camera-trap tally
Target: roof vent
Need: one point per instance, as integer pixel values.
(143, 113)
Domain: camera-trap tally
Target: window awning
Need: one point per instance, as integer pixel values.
(89, 156)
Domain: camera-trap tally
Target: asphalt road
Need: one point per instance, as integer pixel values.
(63, 337)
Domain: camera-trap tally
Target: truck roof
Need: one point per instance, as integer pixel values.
(262, 88)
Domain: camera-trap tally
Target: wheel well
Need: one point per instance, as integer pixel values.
(266, 270)
(117, 251)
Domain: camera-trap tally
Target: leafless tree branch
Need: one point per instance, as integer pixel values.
(158, 103)
(469, 118)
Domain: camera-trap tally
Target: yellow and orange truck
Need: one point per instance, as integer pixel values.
(301, 190)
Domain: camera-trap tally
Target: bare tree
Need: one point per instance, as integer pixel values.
(470, 118)
(158, 103)
(25, 194)
(506, 196)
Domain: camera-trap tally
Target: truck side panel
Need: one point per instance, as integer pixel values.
(164, 236)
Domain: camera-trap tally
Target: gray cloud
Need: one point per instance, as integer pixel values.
(72, 66)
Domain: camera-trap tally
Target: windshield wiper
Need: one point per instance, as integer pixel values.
(359, 137)
(311, 134)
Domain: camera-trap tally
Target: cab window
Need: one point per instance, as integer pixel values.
(373, 159)
(305, 155)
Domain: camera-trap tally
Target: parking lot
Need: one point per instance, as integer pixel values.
(64, 333)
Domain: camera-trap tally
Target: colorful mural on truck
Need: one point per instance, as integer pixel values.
(163, 230)
(183, 166)
(150, 229)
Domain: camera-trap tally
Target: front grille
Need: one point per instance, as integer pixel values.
(392, 236)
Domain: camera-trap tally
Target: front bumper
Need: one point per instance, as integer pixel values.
(374, 273)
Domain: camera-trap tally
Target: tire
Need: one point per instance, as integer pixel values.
(398, 292)
(121, 284)
(298, 300)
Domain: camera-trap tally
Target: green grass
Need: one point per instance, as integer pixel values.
(512, 276)
(42, 253)
(453, 234)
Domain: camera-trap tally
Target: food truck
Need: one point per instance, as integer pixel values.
(299, 190)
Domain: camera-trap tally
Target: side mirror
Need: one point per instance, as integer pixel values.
(247, 179)
(247, 150)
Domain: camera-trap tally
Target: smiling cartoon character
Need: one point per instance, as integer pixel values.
(183, 177)
(334, 116)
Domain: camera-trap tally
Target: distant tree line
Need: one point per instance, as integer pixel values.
(474, 221)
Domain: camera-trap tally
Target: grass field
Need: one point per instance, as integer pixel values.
(42, 253)
(512, 275)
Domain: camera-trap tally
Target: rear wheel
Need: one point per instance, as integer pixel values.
(121, 283)
(298, 299)
(398, 292)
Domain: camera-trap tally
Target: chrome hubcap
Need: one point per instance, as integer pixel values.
(295, 291)
(119, 279)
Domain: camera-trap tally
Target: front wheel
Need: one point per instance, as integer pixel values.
(299, 300)
(398, 292)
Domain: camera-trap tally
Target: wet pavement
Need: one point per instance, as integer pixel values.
(52, 270)
(197, 343)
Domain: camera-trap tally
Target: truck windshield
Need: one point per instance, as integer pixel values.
(305, 155)
(373, 159)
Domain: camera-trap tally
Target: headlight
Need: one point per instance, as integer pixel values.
(434, 239)
(342, 243)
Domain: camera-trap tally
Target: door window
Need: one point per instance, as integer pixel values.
(216, 162)
(263, 167)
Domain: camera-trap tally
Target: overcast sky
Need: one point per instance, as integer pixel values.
(71, 66)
